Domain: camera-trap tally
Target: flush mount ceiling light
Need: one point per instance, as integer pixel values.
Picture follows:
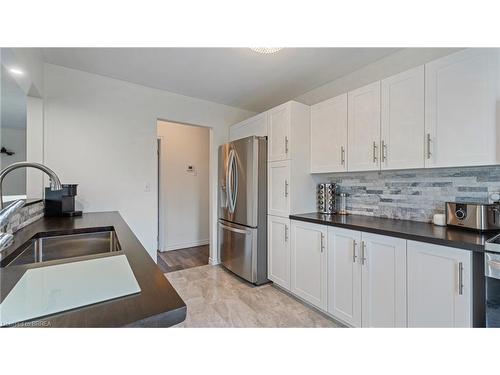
(17, 72)
(266, 50)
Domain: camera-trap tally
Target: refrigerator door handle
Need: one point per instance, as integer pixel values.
(230, 182)
(231, 229)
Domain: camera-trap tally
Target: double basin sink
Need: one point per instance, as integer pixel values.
(64, 247)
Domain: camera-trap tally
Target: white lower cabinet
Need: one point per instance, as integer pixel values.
(371, 280)
(278, 255)
(308, 265)
(366, 278)
(383, 275)
(344, 275)
(439, 286)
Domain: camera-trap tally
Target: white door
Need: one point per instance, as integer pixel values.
(308, 271)
(256, 125)
(278, 188)
(439, 286)
(364, 128)
(383, 264)
(344, 275)
(278, 250)
(279, 123)
(461, 95)
(329, 135)
(403, 112)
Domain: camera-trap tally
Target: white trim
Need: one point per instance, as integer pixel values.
(213, 261)
(184, 245)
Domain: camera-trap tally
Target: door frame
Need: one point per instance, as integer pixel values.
(212, 179)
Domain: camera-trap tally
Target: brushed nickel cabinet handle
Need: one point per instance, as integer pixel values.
(286, 145)
(354, 251)
(384, 151)
(342, 155)
(322, 242)
(286, 188)
(428, 139)
(374, 151)
(363, 258)
(460, 278)
(286, 233)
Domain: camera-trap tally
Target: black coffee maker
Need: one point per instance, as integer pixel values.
(61, 202)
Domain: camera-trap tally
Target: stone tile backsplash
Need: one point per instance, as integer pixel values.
(25, 216)
(414, 194)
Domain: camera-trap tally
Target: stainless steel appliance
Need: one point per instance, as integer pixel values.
(243, 208)
(478, 216)
(326, 198)
(492, 283)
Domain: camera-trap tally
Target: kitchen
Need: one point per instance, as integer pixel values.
(358, 188)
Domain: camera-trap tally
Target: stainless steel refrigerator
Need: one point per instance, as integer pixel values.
(242, 206)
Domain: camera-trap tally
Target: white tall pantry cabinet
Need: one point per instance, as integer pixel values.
(291, 189)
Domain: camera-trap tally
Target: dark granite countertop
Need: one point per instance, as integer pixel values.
(410, 230)
(157, 305)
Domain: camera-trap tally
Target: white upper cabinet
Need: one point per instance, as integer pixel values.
(461, 120)
(278, 187)
(439, 286)
(256, 125)
(278, 255)
(329, 135)
(308, 271)
(279, 129)
(403, 128)
(383, 264)
(364, 128)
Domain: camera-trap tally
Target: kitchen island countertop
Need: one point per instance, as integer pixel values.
(157, 305)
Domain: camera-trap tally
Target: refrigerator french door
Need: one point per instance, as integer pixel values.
(242, 208)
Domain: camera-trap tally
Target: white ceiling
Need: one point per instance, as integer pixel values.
(237, 77)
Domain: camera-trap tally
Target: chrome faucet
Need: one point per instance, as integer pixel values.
(5, 213)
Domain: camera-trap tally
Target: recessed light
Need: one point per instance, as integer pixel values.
(17, 72)
(266, 50)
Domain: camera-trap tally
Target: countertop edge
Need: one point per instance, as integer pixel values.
(407, 236)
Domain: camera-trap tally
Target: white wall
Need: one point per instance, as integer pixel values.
(393, 64)
(184, 195)
(14, 139)
(101, 133)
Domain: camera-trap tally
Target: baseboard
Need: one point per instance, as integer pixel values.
(213, 261)
(184, 245)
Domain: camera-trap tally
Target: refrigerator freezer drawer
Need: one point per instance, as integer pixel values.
(237, 249)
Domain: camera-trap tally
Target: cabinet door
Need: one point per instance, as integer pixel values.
(309, 262)
(279, 124)
(278, 188)
(383, 264)
(364, 128)
(278, 250)
(461, 93)
(402, 129)
(439, 286)
(329, 135)
(344, 275)
(256, 125)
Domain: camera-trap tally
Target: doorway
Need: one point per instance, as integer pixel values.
(183, 195)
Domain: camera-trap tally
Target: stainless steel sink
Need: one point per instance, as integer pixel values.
(44, 249)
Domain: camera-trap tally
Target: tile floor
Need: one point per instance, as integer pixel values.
(217, 298)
